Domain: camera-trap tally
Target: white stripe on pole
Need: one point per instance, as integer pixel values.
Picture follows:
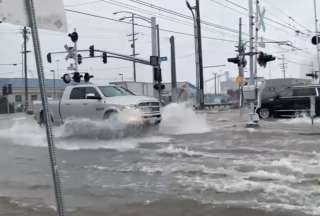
(50, 14)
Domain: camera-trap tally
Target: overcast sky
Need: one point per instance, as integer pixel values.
(112, 36)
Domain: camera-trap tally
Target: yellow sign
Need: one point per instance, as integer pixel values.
(239, 79)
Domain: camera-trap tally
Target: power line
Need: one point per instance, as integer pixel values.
(172, 12)
(268, 18)
(158, 15)
(144, 26)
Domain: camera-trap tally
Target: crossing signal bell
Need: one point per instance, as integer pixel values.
(315, 40)
(74, 37)
(240, 61)
(264, 58)
(313, 75)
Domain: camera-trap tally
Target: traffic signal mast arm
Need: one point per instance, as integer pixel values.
(111, 55)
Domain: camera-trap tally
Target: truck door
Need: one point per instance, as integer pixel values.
(71, 108)
(92, 108)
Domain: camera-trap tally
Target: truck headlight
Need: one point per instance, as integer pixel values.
(130, 107)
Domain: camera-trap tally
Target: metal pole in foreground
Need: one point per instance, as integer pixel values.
(252, 114)
(134, 49)
(26, 106)
(317, 32)
(173, 71)
(200, 54)
(44, 99)
(154, 46)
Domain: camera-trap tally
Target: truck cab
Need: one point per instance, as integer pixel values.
(296, 103)
(99, 102)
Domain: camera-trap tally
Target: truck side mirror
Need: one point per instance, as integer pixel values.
(92, 96)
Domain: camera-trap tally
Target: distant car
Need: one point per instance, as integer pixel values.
(290, 106)
(98, 102)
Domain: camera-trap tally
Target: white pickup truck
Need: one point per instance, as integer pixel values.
(99, 102)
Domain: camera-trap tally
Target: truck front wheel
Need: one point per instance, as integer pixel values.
(264, 113)
(110, 114)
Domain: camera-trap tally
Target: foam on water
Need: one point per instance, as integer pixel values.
(76, 135)
(305, 120)
(182, 119)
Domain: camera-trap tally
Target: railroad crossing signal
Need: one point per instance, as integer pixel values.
(264, 58)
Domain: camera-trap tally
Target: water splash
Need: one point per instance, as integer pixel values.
(182, 119)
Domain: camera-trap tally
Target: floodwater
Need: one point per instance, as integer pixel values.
(204, 163)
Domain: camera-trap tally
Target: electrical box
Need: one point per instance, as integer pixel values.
(249, 92)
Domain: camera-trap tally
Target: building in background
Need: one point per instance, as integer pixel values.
(17, 98)
(185, 90)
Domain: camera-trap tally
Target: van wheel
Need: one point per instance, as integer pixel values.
(264, 113)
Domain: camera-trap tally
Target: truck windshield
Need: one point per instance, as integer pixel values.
(113, 91)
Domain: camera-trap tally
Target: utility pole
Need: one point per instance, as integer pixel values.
(25, 53)
(283, 66)
(251, 26)
(154, 47)
(133, 45)
(317, 33)
(200, 54)
(252, 113)
(241, 50)
(173, 71)
(256, 37)
(215, 83)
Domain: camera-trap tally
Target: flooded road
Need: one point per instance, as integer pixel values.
(194, 164)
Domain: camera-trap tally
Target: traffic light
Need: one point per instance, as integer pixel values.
(91, 51)
(157, 74)
(315, 40)
(74, 36)
(264, 58)
(49, 58)
(314, 75)
(235, 60)
(159, 86)
(87, 77)
(240, 61)
(154, 60)
(79, 58)
(104, 57)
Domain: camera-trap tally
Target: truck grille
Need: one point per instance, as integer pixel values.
(150, 107)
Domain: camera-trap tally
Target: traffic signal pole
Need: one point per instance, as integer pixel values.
(134, 48)
(252, 113)
(25, 53)
(317, 33)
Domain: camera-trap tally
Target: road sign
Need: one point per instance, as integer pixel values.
(261, 23)
(239, 79)
(163, 59)
(50, 14)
